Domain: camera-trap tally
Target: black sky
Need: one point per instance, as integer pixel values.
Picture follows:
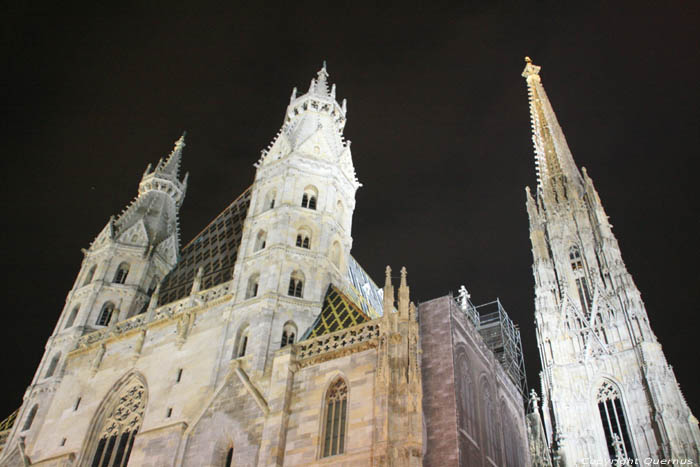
(438, 116)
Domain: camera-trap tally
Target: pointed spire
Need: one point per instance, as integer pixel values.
(403, 295)
(294, 94)
(388, 307)
(319, 86)
(171, 165)
(553, 159)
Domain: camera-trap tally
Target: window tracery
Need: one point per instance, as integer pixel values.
(335, 419)
(116, 437)
(615, 427)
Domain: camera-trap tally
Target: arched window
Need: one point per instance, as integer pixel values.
(308, 199)
(270, 200)
(296, 285)
(229, 458)
(90, 275)
(612, 415)
(53, 365)
(334, 419)
(335, 254)
(106, 314)
(289, 332)
(304, 238)
(467, 415)
(122, 272)
(242, 343)
(252, 289)
(340, 212)
(71, 317)
(580, 278)
(120, 426)
(30, 418)
(260, 240)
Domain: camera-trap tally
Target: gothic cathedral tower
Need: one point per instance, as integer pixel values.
(608, 392)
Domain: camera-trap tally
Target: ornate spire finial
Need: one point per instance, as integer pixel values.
(530, 69)
(387, 279)
(403, 276)
(171, 165)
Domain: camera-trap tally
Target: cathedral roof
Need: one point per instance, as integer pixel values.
(214, 249)
(338, 312)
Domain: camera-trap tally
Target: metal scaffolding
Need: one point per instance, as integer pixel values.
(500, 335)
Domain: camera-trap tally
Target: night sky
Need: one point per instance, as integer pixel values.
(437, 113)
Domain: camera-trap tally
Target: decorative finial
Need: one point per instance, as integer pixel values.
(387, 280)
(403, 276)
(530, 68)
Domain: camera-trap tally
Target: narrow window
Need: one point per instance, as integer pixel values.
(288, 334)
(305, 243)
(169, 412)
(335, 254)
(334, 420)
(312, 202)
(242, 343)
(614, 422)
(90, 275)
(305, 201)
(296, 285)
(299, 240)
(260, 240)
(77, 404)
(229, 458)
(270, 200)
(63, 442)
(575, 258)
(71, 317)
(179, 375)
(30, 418)
(106, 314)
(52, 366)
(252, 289)
(122, 272)
(308, 199)
(152, 287)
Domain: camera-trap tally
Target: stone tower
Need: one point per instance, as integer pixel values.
(120, 271)
(296, 238)
(608, 392)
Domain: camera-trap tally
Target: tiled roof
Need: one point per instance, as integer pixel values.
(338, 312)
(214, 249)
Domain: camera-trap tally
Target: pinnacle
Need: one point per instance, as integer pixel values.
(171, 165)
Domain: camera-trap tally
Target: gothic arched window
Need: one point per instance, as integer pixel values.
(122, 272)
(304, 238)
(308, 199)
(334, 419)
(467, 415)
(296, 284)
(289, 332)
(270, 200)
(580, 278)
(53, 365)
(71, 317)
(241, 342)
(30, 418)
(252, 289)
(120, 426)
(106, 314)
(90, 275)
(617, 436)
(260, 240)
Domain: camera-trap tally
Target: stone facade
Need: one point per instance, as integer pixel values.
(473, 411)
(608, 392)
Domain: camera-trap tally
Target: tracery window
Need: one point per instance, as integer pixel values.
(308, 199)
(106, 314)
(335, 415)
(615, 426)
(116, 437)
(580, 278)
(288, 334)
(296, 285)
(304, 238)
(122, 272)
(575, 258)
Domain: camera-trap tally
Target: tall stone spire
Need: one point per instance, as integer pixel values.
(171, 165)
(603, 370)
(553, 160)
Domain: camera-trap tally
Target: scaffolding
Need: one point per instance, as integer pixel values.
(499, 334)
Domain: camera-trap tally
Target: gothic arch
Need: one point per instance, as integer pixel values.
(608, 397)
(334, 416)
(119, 415)
(466, 405)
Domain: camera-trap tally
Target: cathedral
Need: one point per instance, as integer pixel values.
(263, 342)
